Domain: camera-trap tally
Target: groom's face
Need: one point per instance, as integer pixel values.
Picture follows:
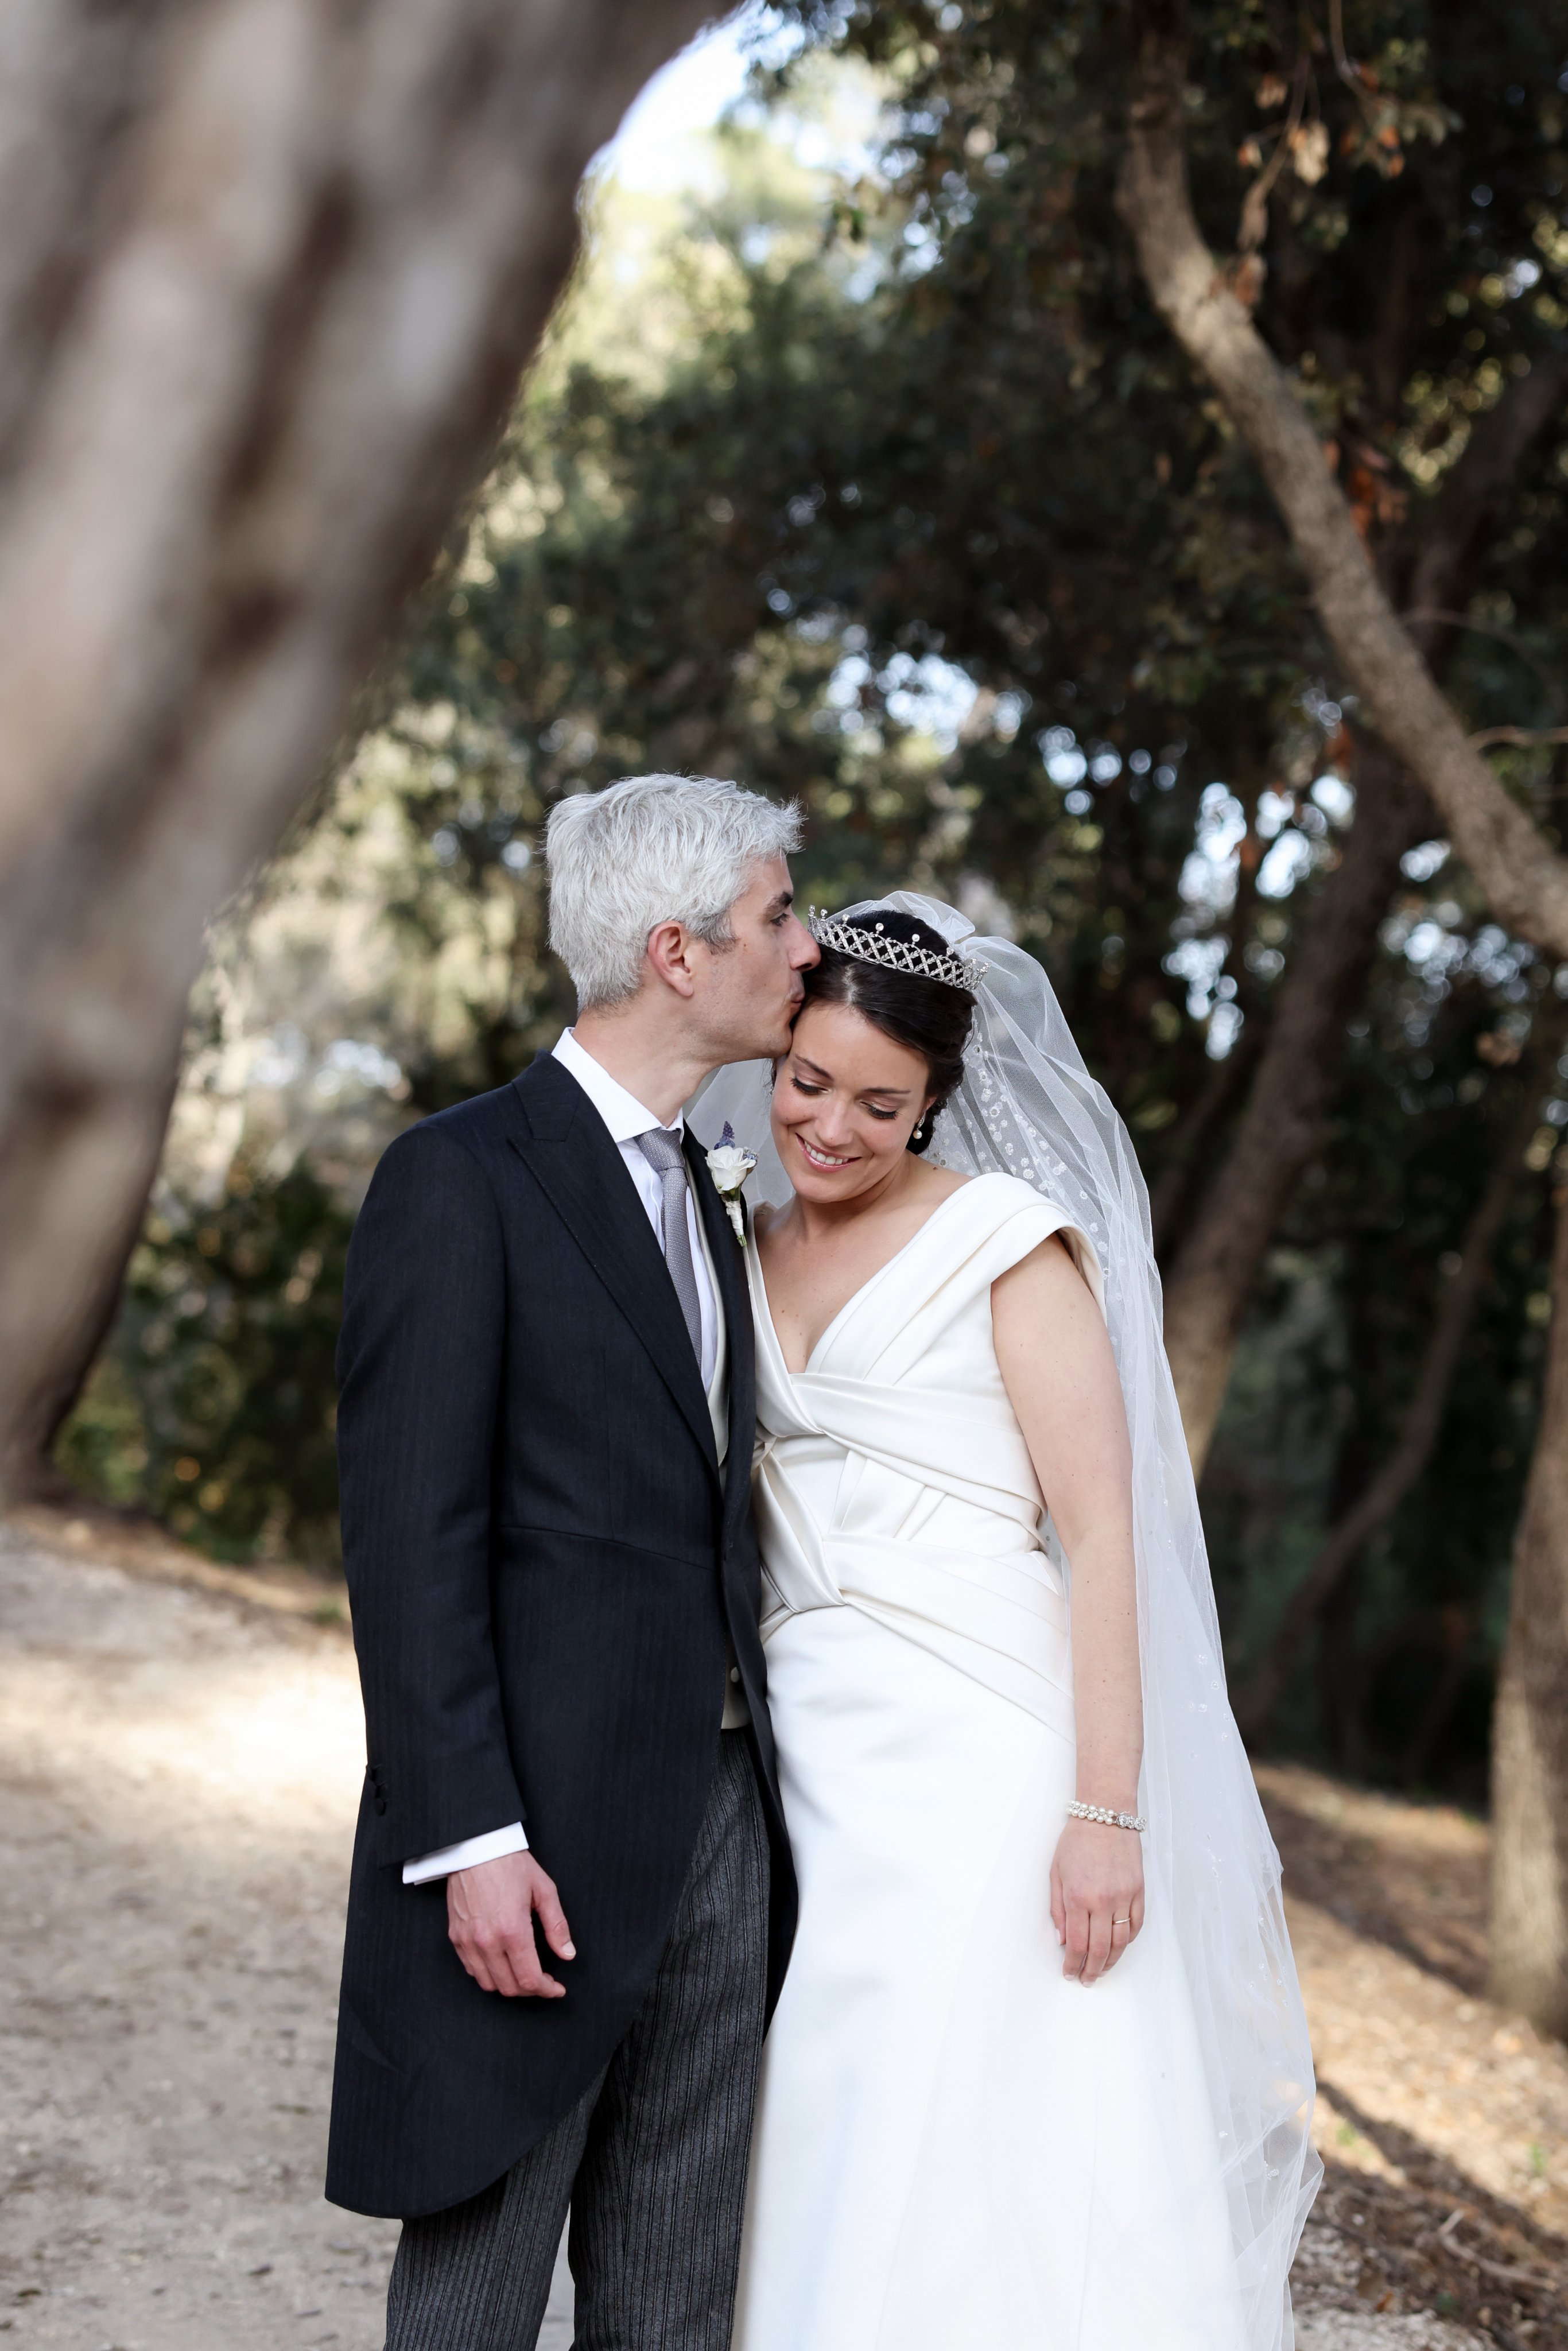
(752, 990)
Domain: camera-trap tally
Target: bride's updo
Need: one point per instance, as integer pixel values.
(927, 1015)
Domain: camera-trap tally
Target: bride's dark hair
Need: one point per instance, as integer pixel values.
(925, 1015)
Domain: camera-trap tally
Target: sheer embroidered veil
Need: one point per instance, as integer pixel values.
(1028, 1107)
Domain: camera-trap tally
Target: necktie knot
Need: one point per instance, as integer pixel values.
(663, 1150)
(663, 1153)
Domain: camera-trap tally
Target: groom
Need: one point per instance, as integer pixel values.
(545, 1435)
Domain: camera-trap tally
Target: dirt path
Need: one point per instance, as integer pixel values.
(180, 1768)
(179, 1774)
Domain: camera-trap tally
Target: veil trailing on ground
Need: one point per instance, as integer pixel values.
(1028, 1107)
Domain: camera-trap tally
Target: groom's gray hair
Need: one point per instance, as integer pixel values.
(655, 849)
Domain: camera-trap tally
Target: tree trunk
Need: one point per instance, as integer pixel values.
(271, 272)
(1529, 1733)
(1212, 1274)
(1525, 878)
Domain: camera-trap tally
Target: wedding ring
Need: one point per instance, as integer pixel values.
(1122, 1922)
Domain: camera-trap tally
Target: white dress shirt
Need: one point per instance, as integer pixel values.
(626, 1119)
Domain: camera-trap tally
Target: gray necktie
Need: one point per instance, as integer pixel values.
(663, 1152)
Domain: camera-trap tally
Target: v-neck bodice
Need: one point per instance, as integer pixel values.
(891, 1474)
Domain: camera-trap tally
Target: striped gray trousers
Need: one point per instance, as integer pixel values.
(652, 2160)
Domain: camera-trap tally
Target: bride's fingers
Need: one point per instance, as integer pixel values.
(1120, 1936)
(1058, 1908)
(1126, 1924)
(1099, 1945)
(1076, 1936)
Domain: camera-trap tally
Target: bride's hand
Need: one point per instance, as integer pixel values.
(1096, 1896)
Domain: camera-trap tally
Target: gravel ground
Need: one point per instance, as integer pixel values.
(179, 1774)
(180, 1753)
(1442, 2121)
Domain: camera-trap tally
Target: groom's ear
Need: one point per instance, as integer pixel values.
(670, 950)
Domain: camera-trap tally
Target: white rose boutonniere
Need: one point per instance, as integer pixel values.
(729, 1164)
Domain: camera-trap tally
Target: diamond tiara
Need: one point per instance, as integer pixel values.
(877, 946)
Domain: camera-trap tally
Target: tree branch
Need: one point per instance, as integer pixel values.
(1519, 738)
(1212, 1272)
(1525, 881)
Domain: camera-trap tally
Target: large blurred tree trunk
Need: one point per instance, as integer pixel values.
(269, 273)
(1529, 1733)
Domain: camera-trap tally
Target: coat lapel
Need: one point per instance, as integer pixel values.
(729, 1266)
(564, 1143)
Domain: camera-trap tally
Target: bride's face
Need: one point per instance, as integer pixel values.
(846, 1100)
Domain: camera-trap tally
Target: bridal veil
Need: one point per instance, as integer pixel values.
(1028, 1107)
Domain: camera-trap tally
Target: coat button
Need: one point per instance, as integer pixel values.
(381, 1804)
(735, 1673)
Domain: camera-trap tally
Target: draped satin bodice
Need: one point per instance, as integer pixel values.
(892, 1475)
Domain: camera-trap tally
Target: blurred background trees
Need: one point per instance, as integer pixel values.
(860, 467)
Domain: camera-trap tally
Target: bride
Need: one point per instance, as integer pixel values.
(1039, 2076)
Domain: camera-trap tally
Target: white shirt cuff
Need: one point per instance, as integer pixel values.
(467, 1855)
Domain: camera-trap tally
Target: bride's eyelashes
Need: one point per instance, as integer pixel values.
(813, 1093)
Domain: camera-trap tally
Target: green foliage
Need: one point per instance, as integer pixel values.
(214, 1403)
(892, 495)
(1326, 1367)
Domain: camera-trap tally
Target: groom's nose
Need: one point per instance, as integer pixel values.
(803, 948)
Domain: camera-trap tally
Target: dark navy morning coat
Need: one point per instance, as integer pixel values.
(545, 1565)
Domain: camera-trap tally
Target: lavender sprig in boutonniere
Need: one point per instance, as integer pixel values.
(729, 1164)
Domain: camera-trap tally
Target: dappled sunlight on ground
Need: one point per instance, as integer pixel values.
(1444, 2122)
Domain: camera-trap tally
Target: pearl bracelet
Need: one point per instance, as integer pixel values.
(1111, 1820)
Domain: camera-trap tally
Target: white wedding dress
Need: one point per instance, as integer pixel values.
(957, 2149)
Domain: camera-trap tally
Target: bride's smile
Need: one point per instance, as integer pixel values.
(821, 1159)
(845, 1102)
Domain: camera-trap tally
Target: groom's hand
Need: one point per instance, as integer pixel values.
(491, 1922)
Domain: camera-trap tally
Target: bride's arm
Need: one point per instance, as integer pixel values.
(1060, 1375)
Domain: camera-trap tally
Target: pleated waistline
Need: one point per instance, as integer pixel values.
(1002, 1623)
